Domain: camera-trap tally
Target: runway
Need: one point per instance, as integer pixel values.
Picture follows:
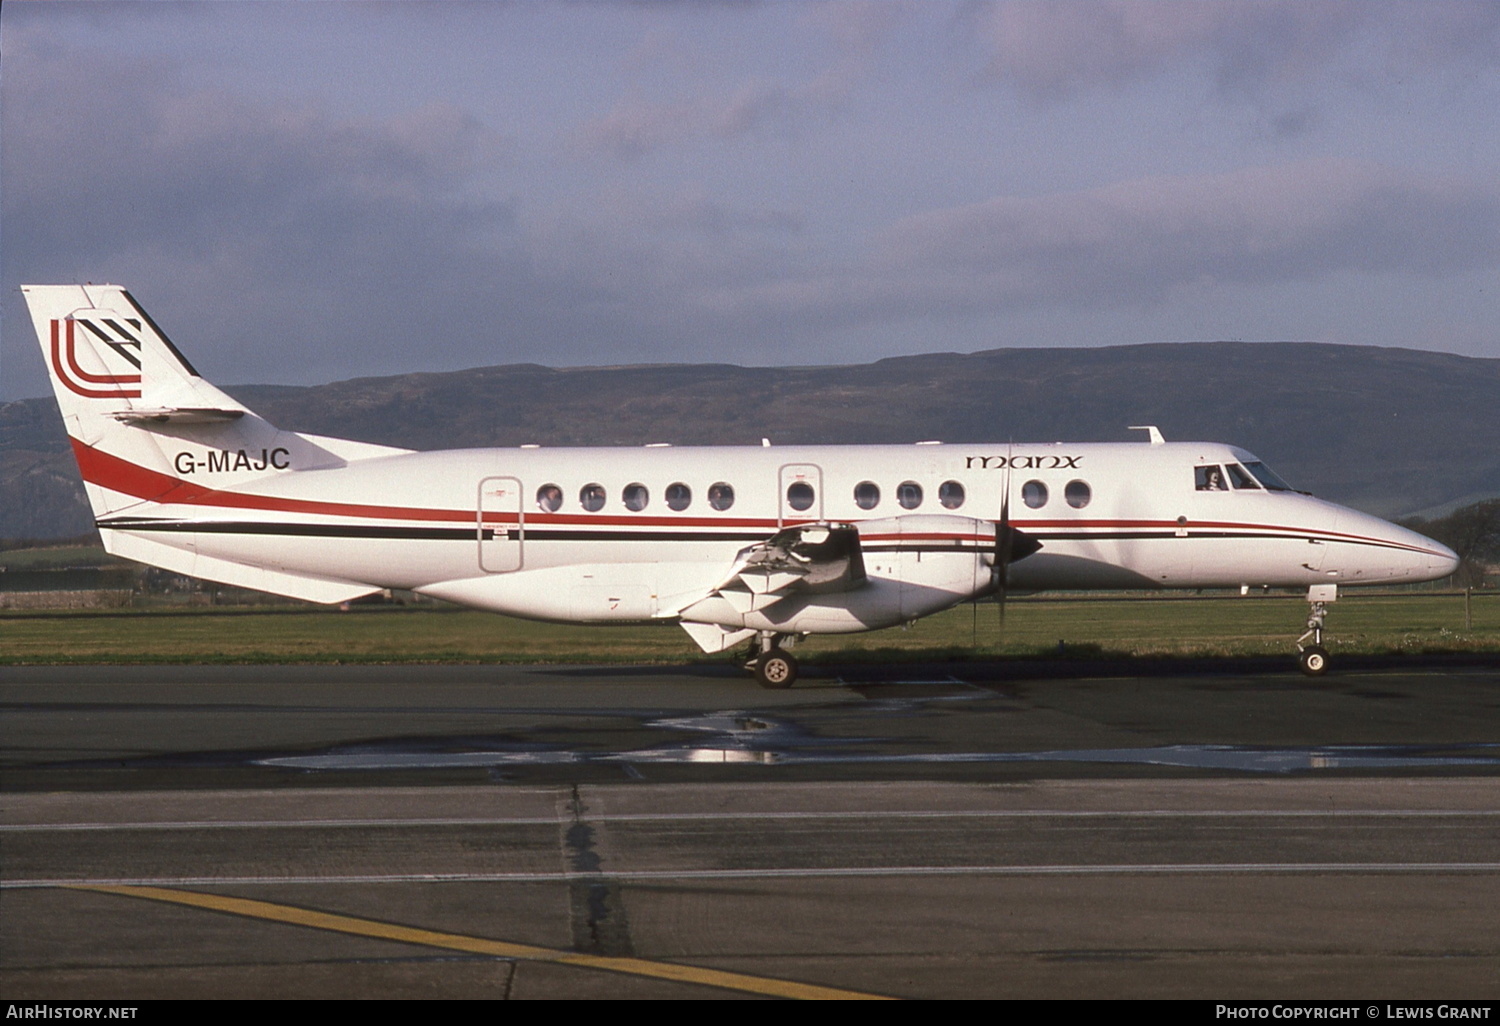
(549, 832)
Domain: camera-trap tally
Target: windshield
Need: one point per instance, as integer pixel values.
(1265, 476)
(1240, 476)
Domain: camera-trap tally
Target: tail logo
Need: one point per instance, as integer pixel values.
(117, 336)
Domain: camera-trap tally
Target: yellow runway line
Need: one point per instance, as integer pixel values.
(291, 914)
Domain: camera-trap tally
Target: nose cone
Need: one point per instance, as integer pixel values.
(1441, 561)
(1378, 552)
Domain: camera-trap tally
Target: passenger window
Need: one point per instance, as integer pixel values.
(679, 496)
(636, 497)
(1240, 477)
(591, 497)
(867, 495)
(909, 494)
(1078, 494)
(1210, 479)
(800, 495)
(1034, 494)
(549, 498)
(720, 495)
(951, 494)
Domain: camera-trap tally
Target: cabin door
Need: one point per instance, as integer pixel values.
(501, 525)
(800, 487)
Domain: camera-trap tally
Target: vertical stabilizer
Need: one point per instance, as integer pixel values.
(144, 426)
(110, 363)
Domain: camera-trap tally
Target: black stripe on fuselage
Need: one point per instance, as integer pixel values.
(467, 534)
(298, 530)
(418, 533)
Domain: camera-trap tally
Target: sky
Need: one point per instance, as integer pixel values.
(307, 192)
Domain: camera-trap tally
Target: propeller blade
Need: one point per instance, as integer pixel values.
(1004, 542)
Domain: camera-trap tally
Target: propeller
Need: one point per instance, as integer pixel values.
(1005, 537)
(1010, 545)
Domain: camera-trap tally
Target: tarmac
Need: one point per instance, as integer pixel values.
(953, 830)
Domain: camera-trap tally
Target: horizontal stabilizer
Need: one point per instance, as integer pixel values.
(175, 415)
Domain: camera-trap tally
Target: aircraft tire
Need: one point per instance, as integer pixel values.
(776, 670)
(1314, 660)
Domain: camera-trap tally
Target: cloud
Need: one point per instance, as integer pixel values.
(103, 153)
(1051, 50)
(1135, 243)
(635, 126)
(261, 217)
(285, 242)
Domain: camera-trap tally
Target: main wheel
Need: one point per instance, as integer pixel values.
(775, 669)
(1314, 660)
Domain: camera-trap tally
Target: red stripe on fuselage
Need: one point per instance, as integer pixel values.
(120, 475)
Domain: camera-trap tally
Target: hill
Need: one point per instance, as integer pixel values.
(1392, 431)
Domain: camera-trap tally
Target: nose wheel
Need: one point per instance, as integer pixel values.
(1314, 660)
(773, 667)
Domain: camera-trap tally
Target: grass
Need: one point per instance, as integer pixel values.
(59, 557)
(1158, 626)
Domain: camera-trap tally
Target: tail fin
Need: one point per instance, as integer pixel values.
(145, 427)
(110, 362)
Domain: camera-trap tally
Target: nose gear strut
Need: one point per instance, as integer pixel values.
(1314, 658)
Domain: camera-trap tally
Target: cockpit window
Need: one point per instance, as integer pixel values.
(1265, 476)
(1240, 477)
(1210, 479)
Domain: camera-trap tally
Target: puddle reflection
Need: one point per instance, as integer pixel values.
(742, 739)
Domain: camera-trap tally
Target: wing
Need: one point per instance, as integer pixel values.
(796, 560)
(799, 560)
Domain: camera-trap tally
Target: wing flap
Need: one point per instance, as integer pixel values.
(808, 557)
(712, 638)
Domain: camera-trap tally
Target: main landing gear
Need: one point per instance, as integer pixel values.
(769, 661)
(1314, 658)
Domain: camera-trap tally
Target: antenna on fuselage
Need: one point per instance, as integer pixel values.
(1151, 430)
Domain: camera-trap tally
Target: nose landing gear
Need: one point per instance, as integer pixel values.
(1313, 659)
